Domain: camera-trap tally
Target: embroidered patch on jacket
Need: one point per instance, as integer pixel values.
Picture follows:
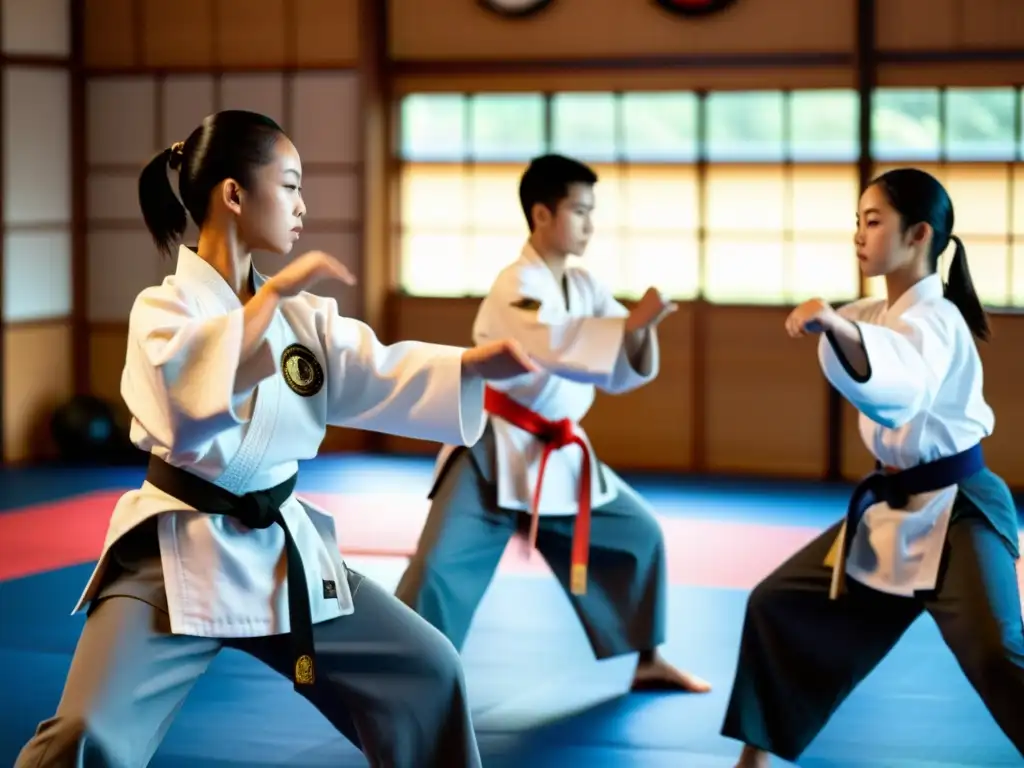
(301, 370)
(530, 305)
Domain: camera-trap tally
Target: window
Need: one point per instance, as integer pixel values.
(734, 196)
(433, 127)
(767, 222)
(905, 125)
(969, 139)
(462, 157)
(585, 125)
(1016, 276)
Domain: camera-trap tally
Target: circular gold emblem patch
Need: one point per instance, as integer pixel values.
(302, 370)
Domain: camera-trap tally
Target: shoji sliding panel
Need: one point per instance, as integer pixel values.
(37, 276)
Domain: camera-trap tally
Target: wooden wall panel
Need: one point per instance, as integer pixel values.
(204, 35)
(327, 32)
(918, 24)
(110, 38)
(569, 29)
(37, 364)
(766, 401)
(176, 34)
(107, 345)
(949, 25)
(253, 33)
(951, 73)
(992, 24)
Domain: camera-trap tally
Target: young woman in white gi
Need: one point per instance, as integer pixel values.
(932, 530)
(231, 378)
(599, 537)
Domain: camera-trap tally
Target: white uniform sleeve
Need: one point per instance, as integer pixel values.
(906, 366)
(183, 381)
(628, 374)
(409, 389)
(522, 306)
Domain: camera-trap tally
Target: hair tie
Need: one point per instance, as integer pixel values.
(177, 155)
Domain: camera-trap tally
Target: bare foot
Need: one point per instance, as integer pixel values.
(751, 757)
(656, 674)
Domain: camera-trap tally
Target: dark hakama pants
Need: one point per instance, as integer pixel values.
(802, 654)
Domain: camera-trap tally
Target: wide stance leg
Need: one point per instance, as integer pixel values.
(460, 547)
(624, 608)
(127, 680)
(801, 654)
(386, 672)
(977, 608)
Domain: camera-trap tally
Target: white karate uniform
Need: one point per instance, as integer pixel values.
(922, 402)
(188, 394)
(580, 348)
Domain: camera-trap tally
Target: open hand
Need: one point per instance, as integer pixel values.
(813, 316)
(650, 310)
(307, 270)
(498, 360)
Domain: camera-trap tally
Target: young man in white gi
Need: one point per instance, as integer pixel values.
(534, 468)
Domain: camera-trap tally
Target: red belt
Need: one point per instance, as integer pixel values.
(554, 435)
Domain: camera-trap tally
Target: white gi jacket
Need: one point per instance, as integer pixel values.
(184, 387)
(922, 402)
(580, 348)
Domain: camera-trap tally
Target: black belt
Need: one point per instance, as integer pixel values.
(258, 509)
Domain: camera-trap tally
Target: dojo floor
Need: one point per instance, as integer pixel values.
(539, 698)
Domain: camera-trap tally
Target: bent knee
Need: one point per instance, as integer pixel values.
(993, 657)
(649, 535)
(766, 596)
(438, 660)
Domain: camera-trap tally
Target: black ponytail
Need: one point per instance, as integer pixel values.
(227, 145)
(163, 212)
(960, 290)
(919, 197)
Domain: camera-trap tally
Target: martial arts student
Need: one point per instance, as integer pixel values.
(231, 378)
(932, 529)
(534, 468)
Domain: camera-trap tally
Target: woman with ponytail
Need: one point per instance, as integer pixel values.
(231, 378)
(932, 530)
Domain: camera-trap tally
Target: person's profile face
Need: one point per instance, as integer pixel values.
(270, 214)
